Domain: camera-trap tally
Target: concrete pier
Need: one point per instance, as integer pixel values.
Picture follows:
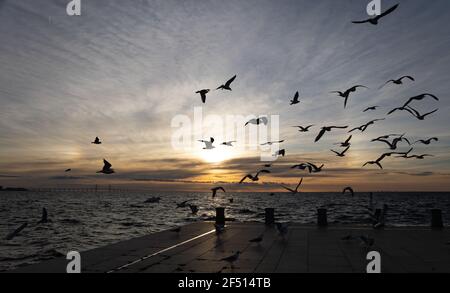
(196, 248)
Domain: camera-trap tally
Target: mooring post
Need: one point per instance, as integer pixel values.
(270, 216)
(220, 216)
(322, 217)
(436, 218)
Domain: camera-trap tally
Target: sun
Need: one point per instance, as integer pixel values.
(216, 155)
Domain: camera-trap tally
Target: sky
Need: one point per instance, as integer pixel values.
(126, 70)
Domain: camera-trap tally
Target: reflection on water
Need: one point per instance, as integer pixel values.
(83, 221)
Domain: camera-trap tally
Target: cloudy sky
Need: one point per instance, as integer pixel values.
(126, 70)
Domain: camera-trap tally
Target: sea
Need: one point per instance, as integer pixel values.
(84, 220)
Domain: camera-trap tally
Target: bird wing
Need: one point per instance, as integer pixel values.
(337, 153)
(408, 77)
(361, 21)
(106, 165)
(346, 150)
(287, 188)
(389, 11)
(228, 83)
(319, 136)
(348, 139)
(298, 185)
(264, 120)
(432, 112)
(262, 171)
(203, 96)
(247, 176)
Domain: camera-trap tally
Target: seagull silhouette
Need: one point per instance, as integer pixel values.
(96, 141)
(254, 178)
(341, 154)
(348, 189)
(208, 144)
(315, 169)
(215, 189)
(418, 157)
(327, 129)
(303, 129)
(106, 168)
(294, 191)
(363, 128)
(228, 143)
(345, 143)
(393, 145)
(427, 141)
(347, 93)
(295, 100)
(378, 161)
(68, 170)
(258, 121)
(377, 18)
(226, 86)
(303, 166)
(373, 108)
(272, 142)
(398, 81)
(203, 94)
(419, 116)
(420, 98)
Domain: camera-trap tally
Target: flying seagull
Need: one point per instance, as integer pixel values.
(348, 189)
(280, 153)
(303, 166)
(363, 128)
(393, 145)
(373, 108)
(346, 143)
(419, 116)
(208, 144)
(96, 141)
(347, 93)
(106, 168)
(183, 204)
(418, 157)
(253, 178)
(303, 129)
(327, 128)
(215, 189)
(203, 94)
(226, 86)
(294, 191)
(420, 98)
(398, 81)
(68, 170)
(316, 169)
(427, 141)
(228, 143)
(258, 121)
(295, 100)
(375, 19)
(272, 142)
(341, 154)
(378, 161)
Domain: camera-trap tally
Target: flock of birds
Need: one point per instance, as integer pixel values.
(308, 166)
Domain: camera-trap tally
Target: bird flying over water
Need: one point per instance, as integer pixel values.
(183, 204)
(203, 94)
(398, 81)
(373, 108)
(194, 208)
(303, 129)
(378, 161)
(226, 86)
(327, 129)
(254, 178)
(315, 169)
(341, 154)
(303, 166)
(106, 168)
(96, 141)
(215, 189)
(346, 94)
(295, 100)
(427, 141)
(377, 18)
(294, 191)
(258, 121)
(348, 189)
(208, 144)
(393, 145)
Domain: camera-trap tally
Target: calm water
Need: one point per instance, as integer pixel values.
(88, 220)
